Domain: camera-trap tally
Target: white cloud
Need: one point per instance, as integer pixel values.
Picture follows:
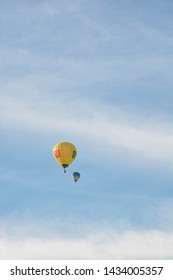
(110, 245)
(119, 131)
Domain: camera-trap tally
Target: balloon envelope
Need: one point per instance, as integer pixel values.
(64, 153)
(76, 176)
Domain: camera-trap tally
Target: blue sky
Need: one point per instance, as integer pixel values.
(97, 74)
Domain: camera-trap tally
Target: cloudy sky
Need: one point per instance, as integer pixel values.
(97, 73)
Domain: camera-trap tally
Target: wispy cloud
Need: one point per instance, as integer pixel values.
(147, 138)
(107, 245)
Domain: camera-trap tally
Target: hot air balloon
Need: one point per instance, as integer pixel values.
(76, 176)
(64, 153)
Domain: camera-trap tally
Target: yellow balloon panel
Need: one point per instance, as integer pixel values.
(64, 153)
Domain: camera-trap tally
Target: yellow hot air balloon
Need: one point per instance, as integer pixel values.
(64, 153)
